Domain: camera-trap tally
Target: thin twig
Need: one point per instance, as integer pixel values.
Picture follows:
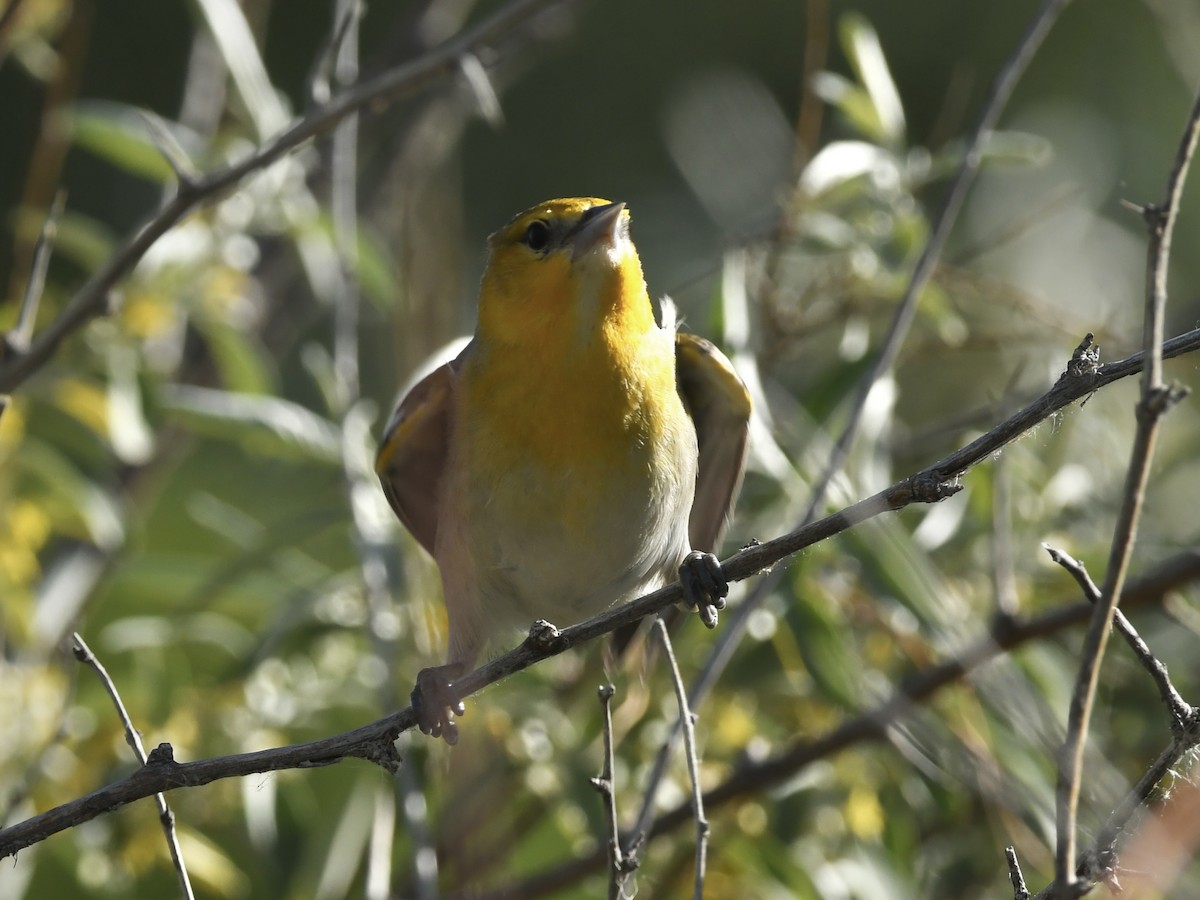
(133, 738)
(17, 340)
(619, 865)
(1002, 88)
(873, 725)
(406, 79)
(688, 721)
(1100, 860)
(1180, 710)
(1020, 891)
(374, 742)
(1155, 401)
(321, 77)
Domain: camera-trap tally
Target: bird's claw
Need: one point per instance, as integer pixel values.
(435, 704)
(704, 585)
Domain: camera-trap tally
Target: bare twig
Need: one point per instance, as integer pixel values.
(620, 865)
(1020, 891)
(688, 721)
(17, 340)
(409, 78)
(873, 725)
(172, 151)
(1181, 712)
(1100, 861)
(133, 738)
(1182, 745)
(374, 742)
(1155, 400)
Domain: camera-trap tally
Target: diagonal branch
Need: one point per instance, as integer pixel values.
(374, 742)
(1180, 710)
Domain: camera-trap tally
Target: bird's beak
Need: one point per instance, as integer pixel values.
(600, 223)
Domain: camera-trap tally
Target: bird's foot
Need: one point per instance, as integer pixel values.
(704, 585)
(435, 703)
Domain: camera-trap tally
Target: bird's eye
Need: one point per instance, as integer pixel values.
(537, 236)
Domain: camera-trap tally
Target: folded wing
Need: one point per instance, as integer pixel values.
(412, 455)
(719, 405)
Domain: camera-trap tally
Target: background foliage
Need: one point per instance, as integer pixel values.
(174, 484)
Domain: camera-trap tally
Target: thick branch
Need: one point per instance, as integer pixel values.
(374, 741)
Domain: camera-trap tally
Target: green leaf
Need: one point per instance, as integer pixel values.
(262, 424)
(852, 101)
(116, 133)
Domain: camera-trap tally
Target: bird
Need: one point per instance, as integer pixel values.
(575, 454)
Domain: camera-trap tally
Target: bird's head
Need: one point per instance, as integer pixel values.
(562, 270)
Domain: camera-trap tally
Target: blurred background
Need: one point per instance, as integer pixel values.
(187, 483)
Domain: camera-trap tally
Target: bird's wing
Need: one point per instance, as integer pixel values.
(412, 454)
(719, 405)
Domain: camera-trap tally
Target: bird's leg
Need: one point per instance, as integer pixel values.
(704, 585)
(434, 701)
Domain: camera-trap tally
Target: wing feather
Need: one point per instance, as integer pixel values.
(412, 455)
(719, 405)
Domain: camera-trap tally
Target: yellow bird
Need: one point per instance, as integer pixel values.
(576, 454)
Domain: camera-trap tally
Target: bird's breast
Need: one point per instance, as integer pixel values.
(580, 479)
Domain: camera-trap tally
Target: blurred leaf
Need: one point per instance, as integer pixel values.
(842, 161)
(883, 117)
(71, 496)
(82, 240)
(235, 40)
(128, 431)
(117, 133)
(1002, 148)
(376, 275)
(852, 101)
(262, 424)
(240, 358)
(829, 657)
(210, 866)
